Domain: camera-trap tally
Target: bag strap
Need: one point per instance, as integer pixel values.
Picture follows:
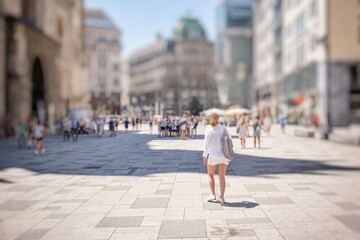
(225, 132)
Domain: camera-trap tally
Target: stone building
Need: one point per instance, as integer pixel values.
(41, 61)
(307, 63)
(174, 76)
(103, 51)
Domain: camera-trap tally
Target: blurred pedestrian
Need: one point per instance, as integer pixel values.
(126, 124)
(74, 129)
(112, 128)
(92, 127)
(66, 129)
(267, 125)
(82, 125)
(20, 133)
(257, 131)
(137, 122)
(39, 132)
(133, 123)
(213, 156)
(30, 133)
(116, 122)
(282, 120)
(99, 126)
(150, 126)
(162, 128)
(242, 131)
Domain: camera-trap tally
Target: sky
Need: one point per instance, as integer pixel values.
(141, 20)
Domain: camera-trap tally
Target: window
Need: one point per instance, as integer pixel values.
(300, 24)
(102, 82)
(239, 16)
(101, 37)
(313, 8)
(354, 78)
(102, 63)
(116, 82)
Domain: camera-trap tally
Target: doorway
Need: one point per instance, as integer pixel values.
(38, 91)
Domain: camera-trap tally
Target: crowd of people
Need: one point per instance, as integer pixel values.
(258, 125)
(30, 134)
(176, 126)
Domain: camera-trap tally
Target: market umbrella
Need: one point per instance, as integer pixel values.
(236, 111)
(210, 111)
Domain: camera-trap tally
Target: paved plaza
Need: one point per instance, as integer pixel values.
(140, 186)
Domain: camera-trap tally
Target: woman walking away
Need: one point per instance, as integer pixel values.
(39, 132)
(213, 156)
(257, 131)
(242, 130)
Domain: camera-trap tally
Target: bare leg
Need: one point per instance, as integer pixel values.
(222, 172)
(254, 142)
(211, 173)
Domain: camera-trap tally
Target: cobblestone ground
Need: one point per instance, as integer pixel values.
(139, 186)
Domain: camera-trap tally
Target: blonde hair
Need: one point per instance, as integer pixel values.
(214, 119)
(243, 122)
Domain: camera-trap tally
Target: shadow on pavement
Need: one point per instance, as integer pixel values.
(141, 154)
(244, 204)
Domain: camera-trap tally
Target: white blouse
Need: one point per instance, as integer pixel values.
(213, 145)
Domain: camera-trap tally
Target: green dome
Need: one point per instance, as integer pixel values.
(189, 27)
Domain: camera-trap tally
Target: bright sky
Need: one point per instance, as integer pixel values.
(141, 20)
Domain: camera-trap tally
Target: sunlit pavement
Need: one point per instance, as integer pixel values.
(140, 186)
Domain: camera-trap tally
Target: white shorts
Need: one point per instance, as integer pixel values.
(218, 160)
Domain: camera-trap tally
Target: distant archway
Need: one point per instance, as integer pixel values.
(38, 91)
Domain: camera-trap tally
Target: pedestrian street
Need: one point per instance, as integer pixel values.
(140, 186)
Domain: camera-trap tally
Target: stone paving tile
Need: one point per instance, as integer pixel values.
(348, 206)
(22, 188)
(134, 233)
(33, 234)
(150, 203)
(212, 206)
(163, 192)
(183, 229)
(248, 221)
(236, 232)
(351, 221)
(15, 205)
(261, 188)
(273, 201)
(120, 222)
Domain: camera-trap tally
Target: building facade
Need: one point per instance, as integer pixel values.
(103, 58)
(234, 52)
(174, 76)
(41, 60)
(317, 73)
(267, 56)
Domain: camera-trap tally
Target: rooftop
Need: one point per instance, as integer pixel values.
(98, 19)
